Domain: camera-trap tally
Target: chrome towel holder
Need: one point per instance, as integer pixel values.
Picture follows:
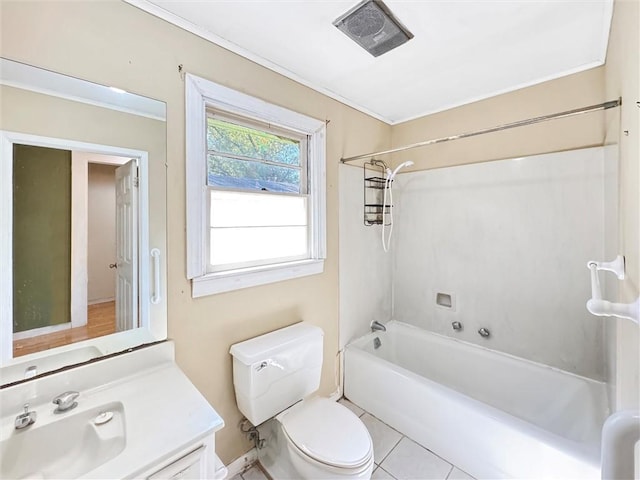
(603, 308)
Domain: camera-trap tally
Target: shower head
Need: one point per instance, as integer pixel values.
(391, 174)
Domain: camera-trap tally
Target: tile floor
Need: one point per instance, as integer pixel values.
(396, 456)
(254, 473)
(400, 458)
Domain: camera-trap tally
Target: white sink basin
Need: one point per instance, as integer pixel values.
(67, 445)
(158, 417)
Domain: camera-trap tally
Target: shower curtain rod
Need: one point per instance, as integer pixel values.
(506, 126)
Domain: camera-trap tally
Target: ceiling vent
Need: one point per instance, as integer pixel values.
(372, 26)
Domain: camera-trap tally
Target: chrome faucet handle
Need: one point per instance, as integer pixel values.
(377, 326)
(65, 401)
(26, 418)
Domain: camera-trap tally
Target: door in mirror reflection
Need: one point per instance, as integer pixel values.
(126, 179)
(75, 256)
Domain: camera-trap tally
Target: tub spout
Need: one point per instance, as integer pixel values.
(376, 325)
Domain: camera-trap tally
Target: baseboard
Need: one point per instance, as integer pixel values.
(96, 301)
(242, 463)
(335, 396)
(36, 332)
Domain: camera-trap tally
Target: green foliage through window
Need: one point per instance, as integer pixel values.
(247, 158)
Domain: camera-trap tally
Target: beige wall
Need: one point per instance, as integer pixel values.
(622, 79)
(578, 90)
(115, 44)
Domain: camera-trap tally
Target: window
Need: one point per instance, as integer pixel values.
(255, 190)
(256, 176)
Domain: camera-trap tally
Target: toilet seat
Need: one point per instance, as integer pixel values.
(328, 433)
(306, 464)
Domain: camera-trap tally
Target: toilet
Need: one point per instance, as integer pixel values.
(314, 438)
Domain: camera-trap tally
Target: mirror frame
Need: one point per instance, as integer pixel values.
(150, 329)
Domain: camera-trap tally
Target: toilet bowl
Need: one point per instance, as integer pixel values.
(326, 440)
(313, 439)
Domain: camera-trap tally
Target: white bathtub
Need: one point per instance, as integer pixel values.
(492, 415)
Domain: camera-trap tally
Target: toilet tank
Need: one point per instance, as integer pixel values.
(273, 371)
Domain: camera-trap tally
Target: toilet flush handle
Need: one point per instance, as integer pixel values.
(269, 363)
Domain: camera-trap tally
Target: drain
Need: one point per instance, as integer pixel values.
(103, 418)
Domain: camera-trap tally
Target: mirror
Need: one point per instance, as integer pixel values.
(83, 216)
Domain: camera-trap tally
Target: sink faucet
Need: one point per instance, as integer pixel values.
(376, 325)
(26, 418)
(65, 401)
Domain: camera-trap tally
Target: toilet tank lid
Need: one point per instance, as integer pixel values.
(261, 348)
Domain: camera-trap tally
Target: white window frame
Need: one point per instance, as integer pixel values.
(202, 94)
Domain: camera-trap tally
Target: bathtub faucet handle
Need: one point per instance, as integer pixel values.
(457, 326)
(484, 332)
(377, 326)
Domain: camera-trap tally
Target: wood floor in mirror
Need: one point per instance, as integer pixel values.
(101, 320)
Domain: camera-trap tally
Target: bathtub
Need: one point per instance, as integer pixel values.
(490, 414)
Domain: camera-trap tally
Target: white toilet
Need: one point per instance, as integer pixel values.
(310, 439)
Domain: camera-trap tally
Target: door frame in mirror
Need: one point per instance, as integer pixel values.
(7, 140)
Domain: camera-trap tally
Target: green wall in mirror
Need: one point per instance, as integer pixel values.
(41, 237)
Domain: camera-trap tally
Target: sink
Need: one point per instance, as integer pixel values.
(158, 417)
(63, 446)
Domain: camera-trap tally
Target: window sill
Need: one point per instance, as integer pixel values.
(213, 283)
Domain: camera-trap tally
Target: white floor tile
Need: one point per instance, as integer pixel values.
(351, 406)
(380, 474)
(236, 477)
(409, 461)
(457, 474)
(384, 437)
(254, 473)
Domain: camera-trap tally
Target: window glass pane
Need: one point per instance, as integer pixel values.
(245, 174)
(245, 209)
(225, 137)
(257, 245)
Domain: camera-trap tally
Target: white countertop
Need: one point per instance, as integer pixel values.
(164, 413)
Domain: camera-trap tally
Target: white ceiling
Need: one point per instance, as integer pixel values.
(463, 50)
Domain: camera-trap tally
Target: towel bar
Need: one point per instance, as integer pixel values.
(603, 308)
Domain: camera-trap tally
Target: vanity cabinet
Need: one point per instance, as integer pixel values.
(199, 462)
